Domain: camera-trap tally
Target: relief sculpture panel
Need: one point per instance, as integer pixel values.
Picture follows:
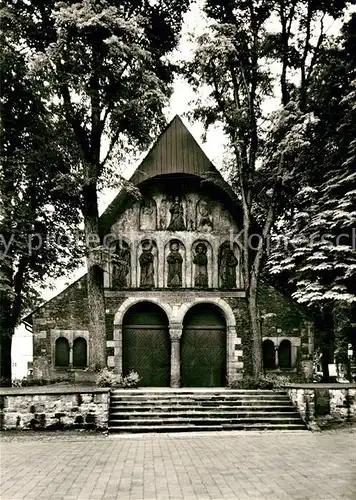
(148, 215)
(227, 266)
(174, 265)
(121, 266)
(177, 222)
(147, 263)
(128, 220)
(204, 216)
(200, 261)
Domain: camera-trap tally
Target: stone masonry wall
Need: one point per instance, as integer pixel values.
(67, 311)
(51, 411)
(341, 401)
(66, 315)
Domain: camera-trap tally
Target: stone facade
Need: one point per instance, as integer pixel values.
(55, 410)
(177, 248)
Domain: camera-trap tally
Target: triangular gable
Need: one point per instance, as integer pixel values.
(175, 151)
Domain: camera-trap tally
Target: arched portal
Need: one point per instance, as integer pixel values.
(269, 358)
(285, 354)
(146, 344)
(203, 347)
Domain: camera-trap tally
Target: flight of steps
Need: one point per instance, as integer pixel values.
(134, 411)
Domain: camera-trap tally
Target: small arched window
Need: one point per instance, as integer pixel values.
(62, 352)
(269, 360)
(285, 354)
(80, 352)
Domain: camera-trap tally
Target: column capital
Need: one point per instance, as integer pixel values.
(175, 331)
(175, 335)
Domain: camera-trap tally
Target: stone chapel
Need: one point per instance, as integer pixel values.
(174, 293)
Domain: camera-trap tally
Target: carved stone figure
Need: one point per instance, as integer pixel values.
(226, 222)
(162, 214)
(200, 260)
(177, 216)
(129, 219)
(205, 218)
(190, 215)
(121, 266)
(148, 214)
(146, 264)
(175, 261)
(227, 267)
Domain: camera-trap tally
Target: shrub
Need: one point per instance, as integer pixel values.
(29, 382)
(16, 382)
(107, 378)
(131, 380)
(268, 381)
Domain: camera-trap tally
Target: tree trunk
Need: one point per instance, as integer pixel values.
(255, 325)
(96, 301)
(5, 355)
(6, 322)
(342, 326)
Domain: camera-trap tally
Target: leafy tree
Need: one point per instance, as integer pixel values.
(108, 77)
(232, 60)
(36, 219)
(318, 264)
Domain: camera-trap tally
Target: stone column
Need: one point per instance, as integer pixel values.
(310, 340)
(175, 335)
(118, 350)
(70, 355)
(276, 360)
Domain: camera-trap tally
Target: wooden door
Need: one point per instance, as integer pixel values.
(146, 345)
(203, 348)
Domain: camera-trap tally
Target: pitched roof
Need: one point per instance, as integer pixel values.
(175, 151)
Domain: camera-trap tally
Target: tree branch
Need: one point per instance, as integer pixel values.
(78, 130)
(316, 50)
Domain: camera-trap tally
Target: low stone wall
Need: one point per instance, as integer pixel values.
(315, 400)
(52, 410)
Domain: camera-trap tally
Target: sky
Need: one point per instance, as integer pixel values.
(194, 22)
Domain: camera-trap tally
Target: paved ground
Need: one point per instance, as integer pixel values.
(271, 465)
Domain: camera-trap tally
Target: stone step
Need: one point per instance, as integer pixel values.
(115, 415)
(196, 428)
(205, 409)
(203, 395)
(208, 393)
(178, 411)
(220, 402)
(201, 401)
(205, 420)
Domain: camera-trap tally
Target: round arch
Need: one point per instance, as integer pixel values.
(219, 303)
(128, 303)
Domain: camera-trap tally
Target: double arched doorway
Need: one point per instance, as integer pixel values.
(147, 343)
